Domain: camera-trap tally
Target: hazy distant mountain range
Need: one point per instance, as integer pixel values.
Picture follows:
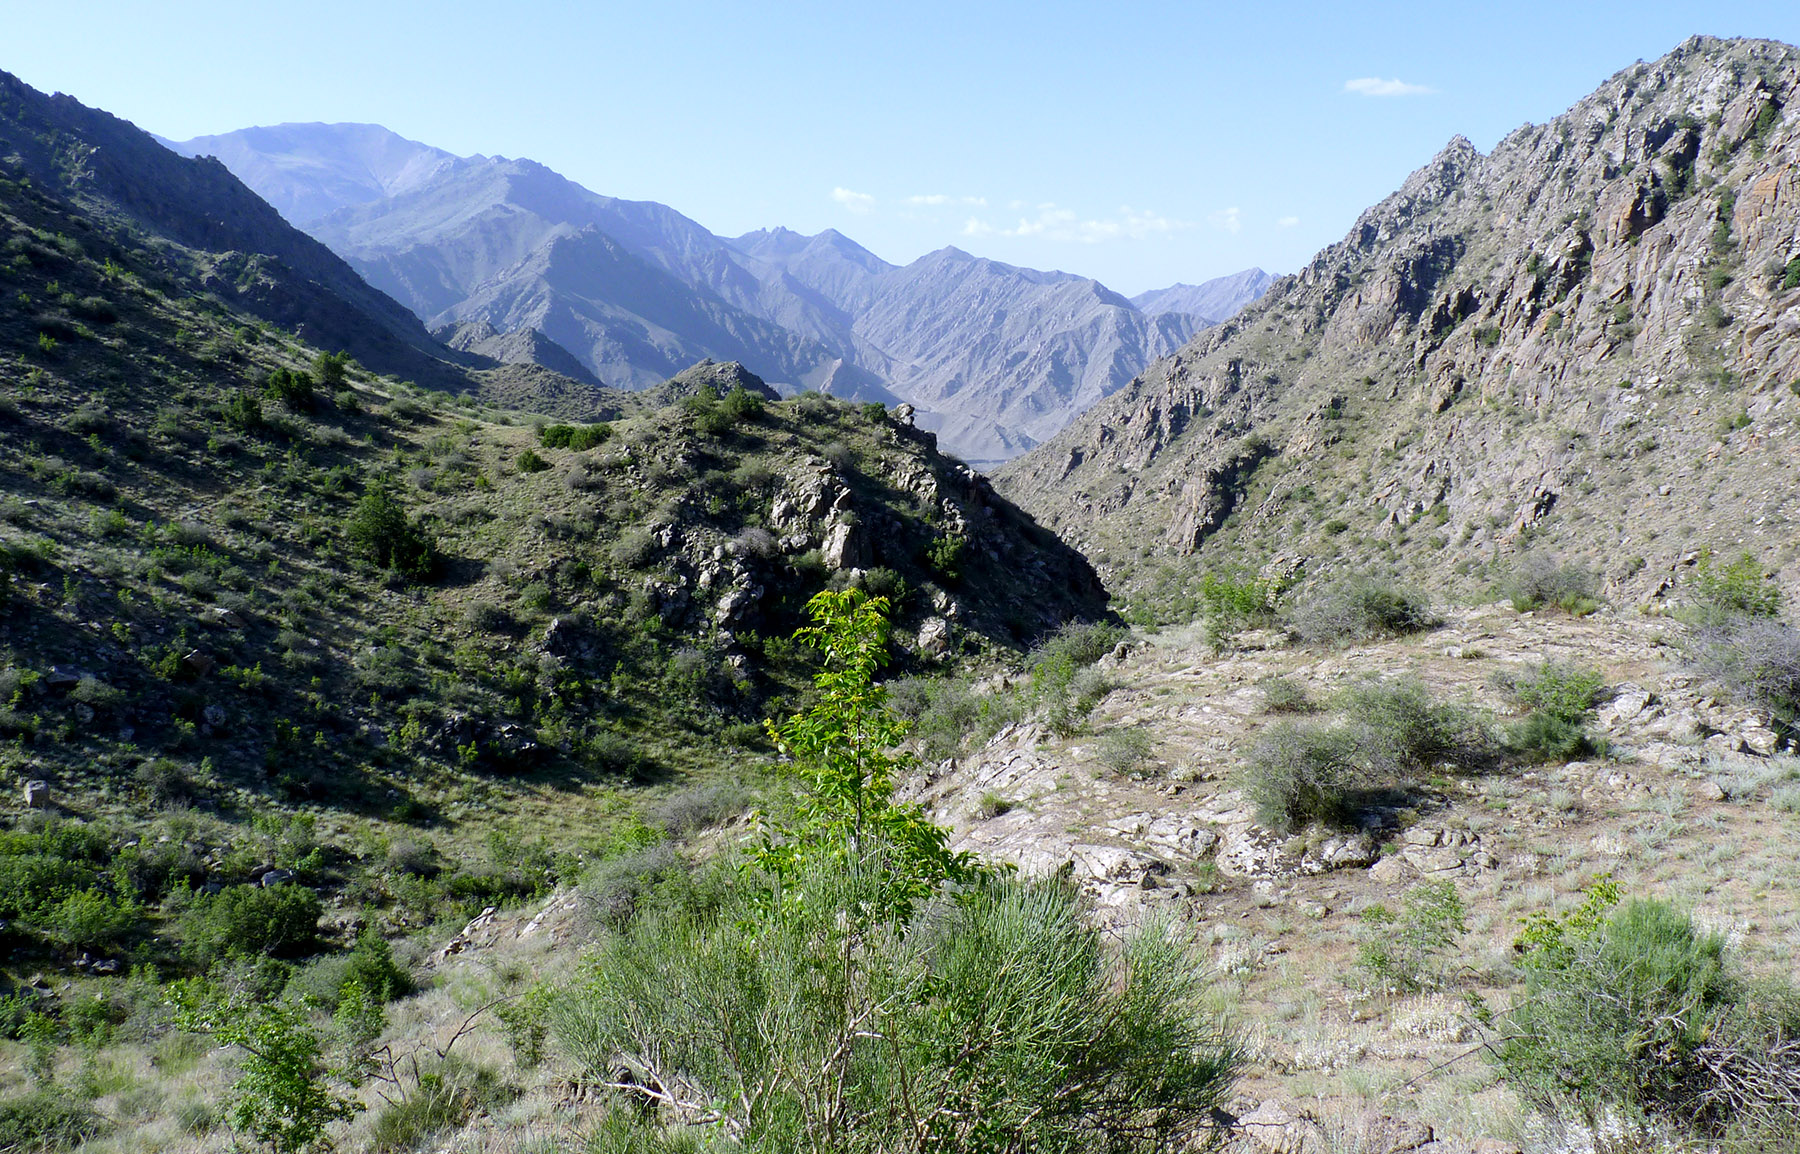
(996, 358)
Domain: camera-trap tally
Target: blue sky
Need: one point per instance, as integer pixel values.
(1141, 143)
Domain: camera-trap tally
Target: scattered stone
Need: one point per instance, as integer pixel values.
(219, 615)
(63, 678)
(1711, 791)
(37, 795)
(1760, 740)
(275, 877)
(1276, 1129)
(197, 663)
(934, 637)
(213, 715)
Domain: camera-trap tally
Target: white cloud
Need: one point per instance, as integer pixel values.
(1375, 86)
(1287, 222)
(857, 202)
(1062, 224)
(939, 199)
(1230, 220)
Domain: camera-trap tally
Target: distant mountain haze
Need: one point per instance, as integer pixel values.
(1215, 300)
(996, 358)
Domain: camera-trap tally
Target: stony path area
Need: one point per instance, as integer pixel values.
(1689, 804)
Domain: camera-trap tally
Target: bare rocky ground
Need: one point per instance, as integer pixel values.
(1688, 805)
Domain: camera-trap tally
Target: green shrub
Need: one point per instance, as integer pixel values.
(1285, 695)
(741, 405)
(944, 556)
(1393, 732)
(1543, 739)
(1719, 594)
(1568, 693)
(1065, 687)
(293, 390)
(371, 965)
(380, 531)
(528, 461)
(447, 1094)
(1125, 750)
(278, 921)
(46, 1120)
(1405, 952)
(1633, 1006)
(91, 920)
(577, 437)
(1361, 609)
(1006, 1016)
(1403, 731)
(1298, 773)
(1560, 699)
(332, 370)
(1231, 603)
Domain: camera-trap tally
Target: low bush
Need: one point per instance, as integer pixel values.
(380, 531)
(277, 921)
(529, 461)
(1758, 659)
(1401, 730)
(1632, 1007)
(293, 390)
(1298, 773)
(1392, 734)
(446, 1095)
(1560, 699)
(1404, 952)
(91, 921)
(1126, 751)
(1285, 695)
(1719, 594)
(614, 889)
(577, 437)
(47, 1120)
(1006, 1018)
(1361, 609)
(1542, 580)
(1233, 602)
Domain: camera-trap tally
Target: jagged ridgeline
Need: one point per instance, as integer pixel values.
(241, 567)
(1586, 342)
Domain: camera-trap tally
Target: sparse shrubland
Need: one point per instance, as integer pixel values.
(1392, 736)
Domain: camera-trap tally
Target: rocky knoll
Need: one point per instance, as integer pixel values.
(1587, 340)
(1693, 802)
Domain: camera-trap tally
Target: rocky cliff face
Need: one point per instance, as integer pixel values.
(1587, 341)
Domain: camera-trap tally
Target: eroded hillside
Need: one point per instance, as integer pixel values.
(1585, 339)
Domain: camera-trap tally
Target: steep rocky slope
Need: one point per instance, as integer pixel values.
(1587, 341)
